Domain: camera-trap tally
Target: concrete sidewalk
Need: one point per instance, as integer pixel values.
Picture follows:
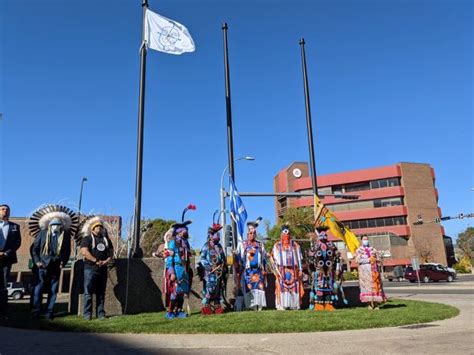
(449, 336)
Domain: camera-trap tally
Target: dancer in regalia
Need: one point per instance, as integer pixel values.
(213, 260)
(177, 257)
(370, 280)
(251, 258)
(325, 265)
(287, 267)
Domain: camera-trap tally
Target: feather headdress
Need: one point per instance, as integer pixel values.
(41, 218)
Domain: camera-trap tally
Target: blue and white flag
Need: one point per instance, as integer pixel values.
(165, 35)
(237, 210)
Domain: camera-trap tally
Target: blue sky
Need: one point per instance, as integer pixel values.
(390, 81)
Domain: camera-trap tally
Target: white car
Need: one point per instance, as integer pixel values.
(450, 269)
(15, 290)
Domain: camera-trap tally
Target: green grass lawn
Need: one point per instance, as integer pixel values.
(393, 313)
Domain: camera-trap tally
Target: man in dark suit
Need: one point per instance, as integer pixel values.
(51, 251)
(10, 241)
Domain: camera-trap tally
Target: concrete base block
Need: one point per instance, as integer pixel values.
(145, 280)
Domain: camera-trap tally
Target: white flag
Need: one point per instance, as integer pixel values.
(165, 35)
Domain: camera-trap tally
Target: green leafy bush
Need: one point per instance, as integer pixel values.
(351, 275)
(463, 267)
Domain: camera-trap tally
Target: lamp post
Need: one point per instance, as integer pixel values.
(223, 196)
(84, 179)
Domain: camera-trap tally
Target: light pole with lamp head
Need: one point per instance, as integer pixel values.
(84, 179)
(223, 196)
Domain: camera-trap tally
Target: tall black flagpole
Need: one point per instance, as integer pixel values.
(228, 106)
(137, 251)
(309, 124)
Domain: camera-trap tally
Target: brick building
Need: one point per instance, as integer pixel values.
(389, 200)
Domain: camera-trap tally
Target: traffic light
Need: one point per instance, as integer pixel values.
(229, 238)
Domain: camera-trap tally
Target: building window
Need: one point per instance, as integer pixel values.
(396, 240)
(374, 184)
(377, 222)
(350, 206)
(394, 182)
(388, 221)
(338, 189)
(283, 202)
(324, 190)
(357, 187)
(399, 221)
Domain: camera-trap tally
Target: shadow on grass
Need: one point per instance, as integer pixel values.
(391, 305)
(395, 313)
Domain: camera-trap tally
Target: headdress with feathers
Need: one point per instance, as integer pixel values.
(86, 226)
(177, 227)
(216, 227)
(254, 223)
(41, 218)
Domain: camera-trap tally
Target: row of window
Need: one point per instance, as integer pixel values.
(367, 185)
(350, 206)
(381, 242)
(362, 186)
(377, 222)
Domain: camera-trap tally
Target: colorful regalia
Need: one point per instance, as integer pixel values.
(177, 281)
(251, 260)
(287, 266)
(325, 264)
(213, 261)
(370, 280)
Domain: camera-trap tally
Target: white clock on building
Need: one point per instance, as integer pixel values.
(297, 173)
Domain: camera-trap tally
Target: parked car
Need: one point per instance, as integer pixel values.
(15, 290)
(450, 269)
(397, 273)
(429, 272)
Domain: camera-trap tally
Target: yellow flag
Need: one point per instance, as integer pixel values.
(324, 217)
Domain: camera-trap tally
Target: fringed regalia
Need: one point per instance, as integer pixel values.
(287, 260)
(177, 280)
(370, 280)
(325, 265)
(213, 261)
(177, 254)
(252, 262)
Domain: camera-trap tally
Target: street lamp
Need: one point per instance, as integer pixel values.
(84, 179)
(223, 195)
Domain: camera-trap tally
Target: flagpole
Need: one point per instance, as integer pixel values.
(137, 251)
(228, 106)
(309, 126)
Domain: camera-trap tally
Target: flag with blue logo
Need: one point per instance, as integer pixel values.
(237, 210)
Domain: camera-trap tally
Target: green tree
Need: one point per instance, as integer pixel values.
(465, 243)
(155, 230)
(301, 222)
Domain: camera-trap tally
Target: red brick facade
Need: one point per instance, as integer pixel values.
(389, 201)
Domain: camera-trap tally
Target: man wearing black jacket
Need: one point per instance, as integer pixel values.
(51, 251)
(98, 251)
(10, 241)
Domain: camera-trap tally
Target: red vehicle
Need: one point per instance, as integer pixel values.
(429, 272)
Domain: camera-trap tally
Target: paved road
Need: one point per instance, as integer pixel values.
(452, 336)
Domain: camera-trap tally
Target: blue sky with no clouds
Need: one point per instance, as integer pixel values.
(390, 81)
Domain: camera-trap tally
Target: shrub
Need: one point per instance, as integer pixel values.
(463, 267)
(351, 275)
